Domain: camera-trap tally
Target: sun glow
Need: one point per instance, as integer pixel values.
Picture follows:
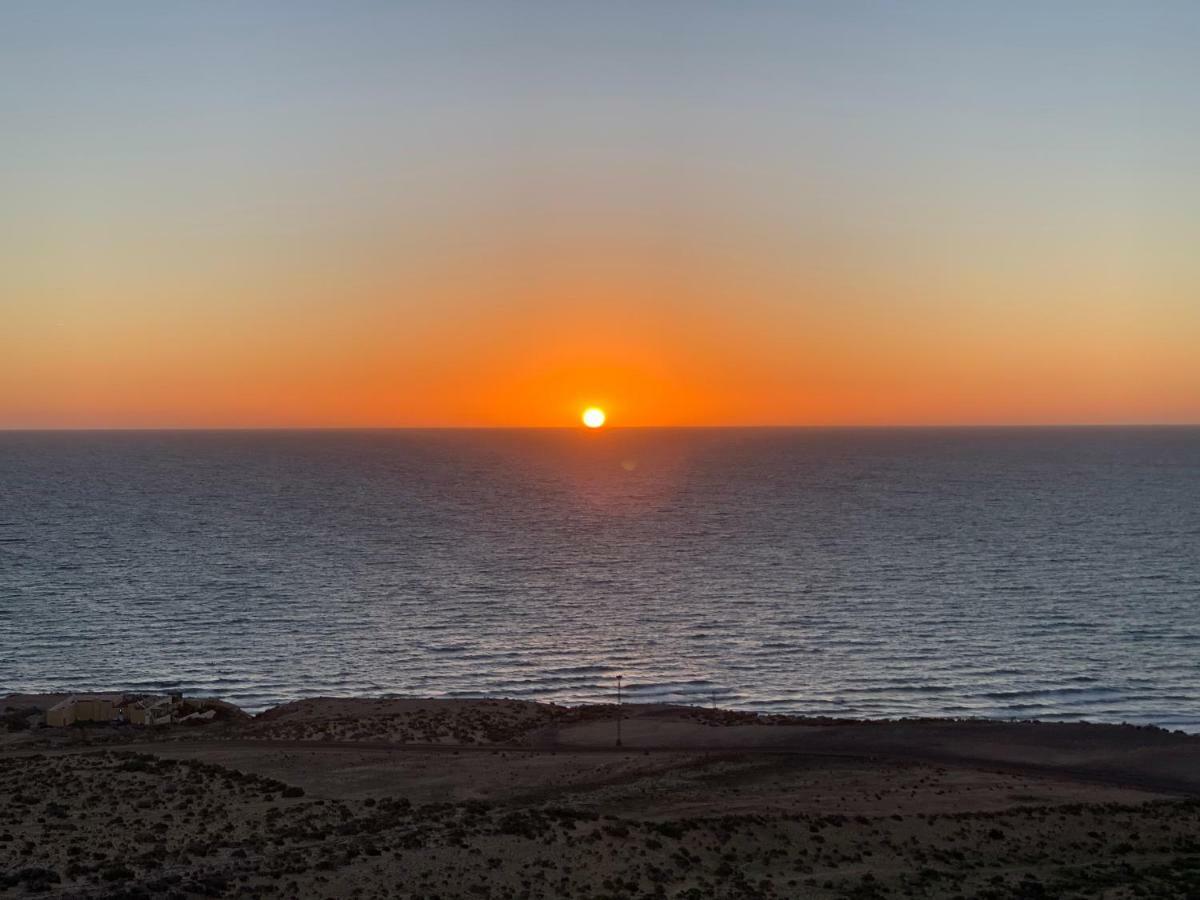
(593, 417)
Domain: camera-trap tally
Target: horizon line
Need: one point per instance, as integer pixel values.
(768, 427)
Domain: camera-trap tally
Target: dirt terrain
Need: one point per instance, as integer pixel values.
(505, 799)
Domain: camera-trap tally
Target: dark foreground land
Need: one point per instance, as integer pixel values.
(503, 799)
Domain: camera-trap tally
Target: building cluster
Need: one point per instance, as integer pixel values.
(136, 709)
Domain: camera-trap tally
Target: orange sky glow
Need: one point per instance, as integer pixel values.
(221, 218)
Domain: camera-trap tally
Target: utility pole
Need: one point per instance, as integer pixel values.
(618, 710)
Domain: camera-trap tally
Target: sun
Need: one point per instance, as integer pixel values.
(593, 417)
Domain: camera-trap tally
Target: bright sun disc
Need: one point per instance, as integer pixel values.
(593, 417)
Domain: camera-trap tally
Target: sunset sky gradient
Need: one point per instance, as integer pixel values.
(427, 214)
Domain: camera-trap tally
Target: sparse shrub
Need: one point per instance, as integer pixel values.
(18, 719)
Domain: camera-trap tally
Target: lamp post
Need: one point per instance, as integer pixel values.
(618, 710)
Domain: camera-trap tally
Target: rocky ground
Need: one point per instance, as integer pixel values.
(547, 810)
(405, 721)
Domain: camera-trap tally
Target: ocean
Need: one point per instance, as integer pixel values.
(1009, 572)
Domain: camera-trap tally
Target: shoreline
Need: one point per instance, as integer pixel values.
(373, 798)
(765, 716)
(1100, 751)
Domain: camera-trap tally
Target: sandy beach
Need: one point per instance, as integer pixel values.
(510, 799)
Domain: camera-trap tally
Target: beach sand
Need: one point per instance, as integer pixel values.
(510, 799)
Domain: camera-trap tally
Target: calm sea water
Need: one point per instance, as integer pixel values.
(1047, 573)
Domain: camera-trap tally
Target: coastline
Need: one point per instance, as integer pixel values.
(501, 798)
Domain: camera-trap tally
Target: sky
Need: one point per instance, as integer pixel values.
(300, 214)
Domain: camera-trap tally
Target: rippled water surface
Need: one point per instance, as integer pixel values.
(1031, 573)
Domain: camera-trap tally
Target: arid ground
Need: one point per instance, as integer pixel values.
(508, 799)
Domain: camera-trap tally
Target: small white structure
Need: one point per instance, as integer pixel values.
(84, 708)
(150, 711)
(134, 709)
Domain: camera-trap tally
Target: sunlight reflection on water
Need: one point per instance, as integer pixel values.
(1040, 573)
